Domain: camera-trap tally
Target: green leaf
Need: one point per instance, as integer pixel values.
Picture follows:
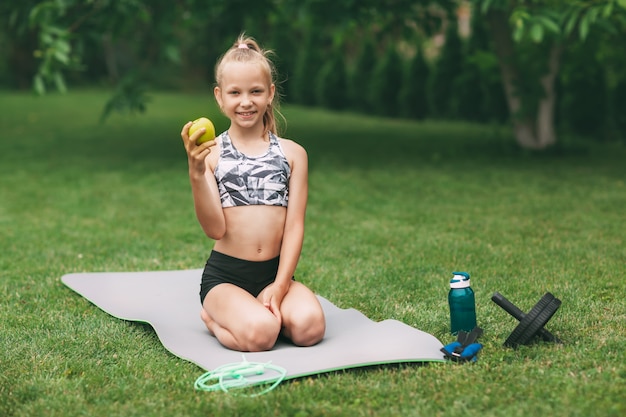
(38, 85)
(172, 53)
(63, 58)
(571, 23)
(57, 31)
(549, 24)
(486, 6)
(13, 18)
(40, 14)
(536, 32)
(593, 13)
(46, 37)
(518, 34)
(63, 46)
(584, 27)
(130, 97)
(59, 81)
(45, 66)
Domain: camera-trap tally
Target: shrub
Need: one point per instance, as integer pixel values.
(414, 94)
(584, 95)
(361, 77)
(387, 83)
(618, 105)
(308, 63)
(285, 52)
(331, 83)
(447, 70)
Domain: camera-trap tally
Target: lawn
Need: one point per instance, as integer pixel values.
(394, 207)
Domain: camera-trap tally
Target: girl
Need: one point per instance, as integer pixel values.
(250, 194)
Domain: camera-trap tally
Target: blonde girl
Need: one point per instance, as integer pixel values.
(250, 193)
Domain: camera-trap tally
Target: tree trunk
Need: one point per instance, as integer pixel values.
(531, 131)
(110, 59)
(546, 134)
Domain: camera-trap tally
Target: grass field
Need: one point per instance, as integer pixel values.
(394, 208)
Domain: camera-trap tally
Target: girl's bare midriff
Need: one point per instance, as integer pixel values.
(253, 233)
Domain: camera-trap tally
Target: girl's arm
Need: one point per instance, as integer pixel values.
(203, 185)
(293, 234)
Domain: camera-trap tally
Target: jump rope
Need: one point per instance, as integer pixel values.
(242, 375)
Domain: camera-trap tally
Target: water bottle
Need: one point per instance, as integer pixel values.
(462, 303)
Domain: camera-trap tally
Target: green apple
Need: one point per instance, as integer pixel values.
(199, 124)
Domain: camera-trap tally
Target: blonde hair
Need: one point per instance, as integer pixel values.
(246, 49)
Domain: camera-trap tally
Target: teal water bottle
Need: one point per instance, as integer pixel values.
(462, 303)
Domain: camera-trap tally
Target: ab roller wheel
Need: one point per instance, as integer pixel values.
(531, 324)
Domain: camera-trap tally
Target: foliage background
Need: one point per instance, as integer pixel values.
(355, 55)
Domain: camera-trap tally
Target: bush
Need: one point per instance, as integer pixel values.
(285, 51)
(331, 83)
(584, 95)
(447, 70)
(618, 105)
(361, 77)
(414, 94)
(496, 107)
(468, 100)
(308, 63)
(480, 96)
(387, 83)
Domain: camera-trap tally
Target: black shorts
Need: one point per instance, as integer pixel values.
(252, 276)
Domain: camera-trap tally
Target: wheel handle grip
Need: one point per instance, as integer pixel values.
(508, 306)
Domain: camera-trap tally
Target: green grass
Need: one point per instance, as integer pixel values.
(394, 208)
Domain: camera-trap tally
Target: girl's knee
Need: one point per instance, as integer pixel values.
(308, 328)
(260, 334)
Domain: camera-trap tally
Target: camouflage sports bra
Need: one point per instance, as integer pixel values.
(252, 180)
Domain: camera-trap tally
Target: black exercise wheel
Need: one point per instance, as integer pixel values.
(530, 324)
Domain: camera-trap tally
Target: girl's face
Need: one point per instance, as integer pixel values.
(244, 93)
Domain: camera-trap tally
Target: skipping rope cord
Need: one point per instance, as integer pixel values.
(241, 375)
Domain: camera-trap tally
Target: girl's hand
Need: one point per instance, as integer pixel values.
(196, 154)
(272, 297)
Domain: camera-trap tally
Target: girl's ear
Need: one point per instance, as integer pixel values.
(217, 92)
(272, 92)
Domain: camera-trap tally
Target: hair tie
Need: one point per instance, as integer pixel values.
(242, 46)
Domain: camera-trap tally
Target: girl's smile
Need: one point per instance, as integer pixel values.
(246, 115)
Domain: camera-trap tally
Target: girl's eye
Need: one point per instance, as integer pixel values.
(234, 92)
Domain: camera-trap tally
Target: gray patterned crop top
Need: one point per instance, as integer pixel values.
(252, 180)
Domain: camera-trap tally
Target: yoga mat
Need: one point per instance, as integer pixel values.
(169, 302)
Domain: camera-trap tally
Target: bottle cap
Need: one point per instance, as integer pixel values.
(460, 280)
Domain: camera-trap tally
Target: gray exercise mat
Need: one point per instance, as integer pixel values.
(169, 302)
